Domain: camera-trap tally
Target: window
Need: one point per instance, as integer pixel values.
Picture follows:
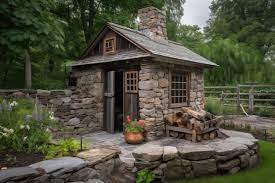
(109, 46)
(72, 81)
(179, 88)
(131, 81)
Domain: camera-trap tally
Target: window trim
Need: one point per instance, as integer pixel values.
(184, 104)
(135, 85)
(114, 46)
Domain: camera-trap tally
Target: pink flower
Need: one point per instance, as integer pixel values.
(141, 123)
(128, 119)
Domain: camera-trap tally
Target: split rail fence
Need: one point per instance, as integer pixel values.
(249, 97)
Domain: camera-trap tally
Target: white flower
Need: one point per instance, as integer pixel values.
(28, 127)
(22, 126)
(13, 104)
(48, 130)
(11, 130)
(6, 130)
(4, 134)
(52, 117)
(25, 138)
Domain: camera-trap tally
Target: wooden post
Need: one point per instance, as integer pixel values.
(251, 100)
(222, 97)
(238, 98)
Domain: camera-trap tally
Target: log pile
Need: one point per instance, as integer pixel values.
(191, 124)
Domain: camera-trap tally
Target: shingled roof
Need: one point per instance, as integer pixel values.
(154, 47)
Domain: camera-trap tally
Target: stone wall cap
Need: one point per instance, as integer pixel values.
(17, 173)
(64, 164)
(98, 155)
(148, 152)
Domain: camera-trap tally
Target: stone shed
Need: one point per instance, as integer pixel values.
(138, 73)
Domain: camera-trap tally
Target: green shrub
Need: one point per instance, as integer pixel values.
(265, 112)
(145, 176)
(65, 147)
(213, 105)
(24, 125)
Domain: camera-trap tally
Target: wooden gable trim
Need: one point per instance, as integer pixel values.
(94, 42)
(101, 34)
(128, 39)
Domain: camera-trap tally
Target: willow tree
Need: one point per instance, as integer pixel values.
(237, 62)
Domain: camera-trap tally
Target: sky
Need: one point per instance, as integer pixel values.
(196, 12)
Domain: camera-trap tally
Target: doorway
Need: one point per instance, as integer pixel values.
(121, 98)
(118, 127)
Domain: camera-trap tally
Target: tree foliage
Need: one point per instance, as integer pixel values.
(238, 63)
(251, 22)
(27, 26)
(190, 36)
(42, 37)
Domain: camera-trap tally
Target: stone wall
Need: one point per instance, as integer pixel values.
(79, 109)
(154, 95)
(180, 160)
(94, 166)
(167, 159)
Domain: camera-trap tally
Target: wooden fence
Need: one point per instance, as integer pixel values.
(250, 96)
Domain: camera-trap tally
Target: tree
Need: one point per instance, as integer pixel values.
(250, 22)
(238, 63)
(190, 36)
(94, 14)
(27, 25)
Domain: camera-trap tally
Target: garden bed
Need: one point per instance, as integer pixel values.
(11, 158)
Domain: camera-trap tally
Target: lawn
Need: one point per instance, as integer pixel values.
(264, 173)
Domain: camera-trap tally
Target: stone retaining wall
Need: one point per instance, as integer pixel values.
(94, 166)
(167, 158)
(181, 159)
(79, 109)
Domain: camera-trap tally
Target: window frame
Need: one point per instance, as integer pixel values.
(113, 39)
(134, 84)
(188, 85)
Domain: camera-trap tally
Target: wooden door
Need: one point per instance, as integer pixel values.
(110, 102)
(130, 106)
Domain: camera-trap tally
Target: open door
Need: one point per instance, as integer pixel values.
(110, 102)
(130, 106)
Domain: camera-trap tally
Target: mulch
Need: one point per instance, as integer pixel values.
(11, 158)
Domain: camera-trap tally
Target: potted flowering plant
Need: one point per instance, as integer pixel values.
(134, 129)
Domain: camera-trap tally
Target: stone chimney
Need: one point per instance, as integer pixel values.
(152, 21)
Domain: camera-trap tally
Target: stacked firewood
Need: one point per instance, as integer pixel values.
(195, 125)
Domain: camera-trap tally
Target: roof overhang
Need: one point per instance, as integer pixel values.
(181, 62)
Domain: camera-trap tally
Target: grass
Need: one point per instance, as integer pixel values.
(264, 173)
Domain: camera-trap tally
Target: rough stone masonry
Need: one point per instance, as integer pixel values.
(154, 97)
(78, 109)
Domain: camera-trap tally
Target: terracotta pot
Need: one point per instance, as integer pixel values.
(133, 137)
